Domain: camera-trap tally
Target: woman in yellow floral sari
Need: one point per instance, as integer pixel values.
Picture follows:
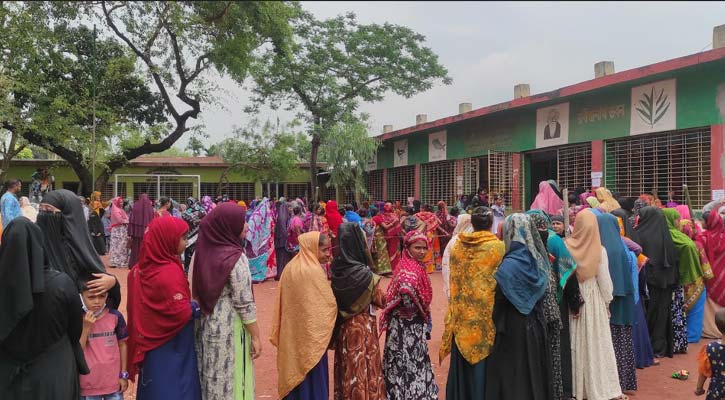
(469, 330)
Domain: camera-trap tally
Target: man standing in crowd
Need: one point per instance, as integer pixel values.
(9, 205)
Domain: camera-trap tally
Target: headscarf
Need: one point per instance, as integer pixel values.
(523, 273)
(713, 241)
(442, 212)
(22, 262)
(352, 216)
(118, 216)
(353, 282)
(606, 201)
(217, 251)
(651, 232)
(463, 224)
(429, 219)
(207, 203)
(304, 315)
(619, 266)
(563, 263)
(688, 259)
(96, 205)
(593, 202)
(280, 227)
(159, 297)
(585, 246)
(334, 219)
(193, 215)
(623, 216)
(28, 210)
(547, 200)
(411, 280)
(67, 240)
(141, 216)
(388, 216)
(259, 231)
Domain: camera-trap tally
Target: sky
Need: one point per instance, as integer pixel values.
(488, 47)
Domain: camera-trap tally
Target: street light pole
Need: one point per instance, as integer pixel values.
(93, 94)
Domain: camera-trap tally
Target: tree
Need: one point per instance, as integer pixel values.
(195, 146)
(346, 151)
(157, 39)
(331, 66)
(267, 153)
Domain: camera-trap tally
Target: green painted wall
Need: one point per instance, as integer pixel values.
(385, 155)
(601, 116)
(697, 96)
(418, 149)
(512, 131)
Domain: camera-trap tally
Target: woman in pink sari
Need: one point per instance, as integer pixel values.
(713, 241)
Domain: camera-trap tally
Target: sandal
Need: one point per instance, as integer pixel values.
(682, 375)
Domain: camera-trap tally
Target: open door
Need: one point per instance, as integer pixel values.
(544, 166)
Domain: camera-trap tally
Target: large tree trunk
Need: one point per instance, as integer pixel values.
(316, 141)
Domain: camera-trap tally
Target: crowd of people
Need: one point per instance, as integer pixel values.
(536, 308)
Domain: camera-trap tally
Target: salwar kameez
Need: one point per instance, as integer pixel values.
(383, 265)
(679, 320)
(223, 345)
(119, 254)
(695, 316)
(643, 354)
(659, 321)
(315, 386)
(465, 381)
(592, 351)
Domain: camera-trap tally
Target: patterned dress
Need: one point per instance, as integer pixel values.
(223, 345)
(119, 254)
(406, 363)
(679, 320)
(358, 368)
(711, 363)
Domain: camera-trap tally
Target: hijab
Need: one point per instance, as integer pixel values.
(351, 274)
(217, 251)
(606, 201)
(688, 258)
(585, 246)
(280, 227)
(141, 216)
(523, 273)
(651, 232)
(547, 199)
(259, 231)
(67, 240)
(463, 224)
(411, 280)
(304, 315)
(623, 216)
(118, 215)
(334, 219)
(159, 297)
(22, 262)
(617, 254)
(207, 203)
(713, 241)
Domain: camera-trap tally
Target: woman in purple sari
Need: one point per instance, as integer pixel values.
(141, 216)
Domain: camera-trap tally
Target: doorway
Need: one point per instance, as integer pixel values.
(544, 166)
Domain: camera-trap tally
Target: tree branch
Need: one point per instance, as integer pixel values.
(361, 87)
(157, 31)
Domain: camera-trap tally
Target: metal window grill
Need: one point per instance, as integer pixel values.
(295, 190)
(438, 182)
(470, 176)
(234, 190)
(660, 163)
(107, 192)
(374, 185)
(575, 166)
(177, 187)
(401, 183)
(500, 175)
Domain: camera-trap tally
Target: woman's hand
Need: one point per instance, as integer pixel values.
(256, 347)
(102, 284)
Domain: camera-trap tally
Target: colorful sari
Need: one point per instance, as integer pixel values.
(386, 242)
(432, 260)
(713, 242)
(259, 236)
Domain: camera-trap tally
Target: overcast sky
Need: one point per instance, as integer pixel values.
(489, 47)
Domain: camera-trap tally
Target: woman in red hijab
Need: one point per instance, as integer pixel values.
(334, 220)
(161, 317)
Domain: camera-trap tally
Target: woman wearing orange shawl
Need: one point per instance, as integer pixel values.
(303, 321)
(433, 229)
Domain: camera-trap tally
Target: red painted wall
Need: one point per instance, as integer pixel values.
(416, 183)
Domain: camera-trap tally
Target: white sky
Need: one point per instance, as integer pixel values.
(489, 47)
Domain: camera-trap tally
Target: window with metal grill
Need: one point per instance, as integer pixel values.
(500, 175)
(438, 182)
(295, 190)
(660, 163)
(145, 187)
(575, 166)
(374, 185)
(401, 183)
(470, 176)
(108, 190)
(234, 190)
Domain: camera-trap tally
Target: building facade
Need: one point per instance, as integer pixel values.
(654, 128)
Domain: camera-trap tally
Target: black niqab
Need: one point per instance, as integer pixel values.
(68, 243)
(624, 215)
(280, 227)
(351, 275)
(651, 232)
(22, 262)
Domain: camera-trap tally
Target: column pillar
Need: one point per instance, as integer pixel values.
(598, 160)
(416, 184)
(385, 185)
(717, 157)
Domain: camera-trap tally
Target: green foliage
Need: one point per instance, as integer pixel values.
(268, 153)
(333, 65)
(195, 146)
(347, 151)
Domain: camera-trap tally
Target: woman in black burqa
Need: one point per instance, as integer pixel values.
(68, 245)
(41, 319)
